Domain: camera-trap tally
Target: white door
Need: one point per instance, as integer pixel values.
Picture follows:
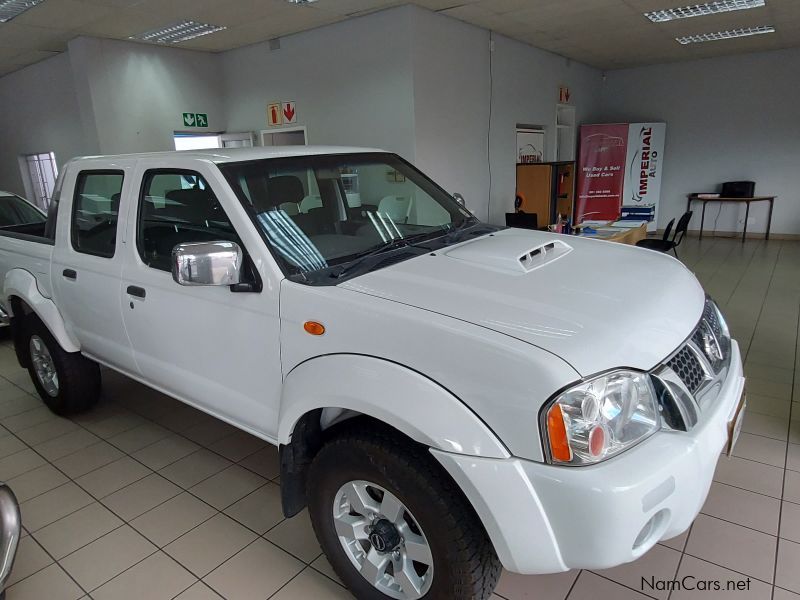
(236, 140)
(209, 346)
(86, 269)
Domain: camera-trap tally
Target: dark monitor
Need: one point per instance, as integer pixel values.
(522, 220)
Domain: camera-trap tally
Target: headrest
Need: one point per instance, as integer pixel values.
(285, 188)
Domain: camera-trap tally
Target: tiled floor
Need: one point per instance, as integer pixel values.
(146, 498)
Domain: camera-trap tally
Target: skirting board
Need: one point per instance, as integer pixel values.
(757, 235)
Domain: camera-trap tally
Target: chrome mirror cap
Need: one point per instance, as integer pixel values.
(207, 263)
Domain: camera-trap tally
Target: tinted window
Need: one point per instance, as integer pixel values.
(95, 211)
(178, 207)
(15, 211)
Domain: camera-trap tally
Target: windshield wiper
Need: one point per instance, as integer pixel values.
(387, 247)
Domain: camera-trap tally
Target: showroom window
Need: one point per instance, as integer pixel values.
(42, 173)
(177, 207)
(95, 211)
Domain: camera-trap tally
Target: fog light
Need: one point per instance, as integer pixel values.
(651, 531)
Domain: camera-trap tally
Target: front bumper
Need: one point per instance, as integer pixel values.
(545, 519)
(10, 527)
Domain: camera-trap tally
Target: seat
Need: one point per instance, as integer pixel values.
(665, 244)
(522, 220)
(397, 208)
(309, 203)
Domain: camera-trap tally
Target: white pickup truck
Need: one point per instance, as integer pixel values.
(448, 396)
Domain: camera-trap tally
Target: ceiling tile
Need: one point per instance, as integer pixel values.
(62, 14)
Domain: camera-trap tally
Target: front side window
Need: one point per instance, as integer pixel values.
(95, 211)
(178, 207)
(15, 211)
(321, 213)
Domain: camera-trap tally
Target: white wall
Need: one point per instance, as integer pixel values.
(351, 82)
(38, 113)
(525, 90)
(728, 119)
(452, 89)
(137, 93)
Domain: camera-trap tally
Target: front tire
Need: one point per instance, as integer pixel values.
(393, 524)
(68, 382)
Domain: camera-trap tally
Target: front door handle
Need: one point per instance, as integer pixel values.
(70, 274)
(135, 290)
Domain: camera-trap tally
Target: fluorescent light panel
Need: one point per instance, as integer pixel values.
(725, 35)
(178, 32)
(700, 10)
(12, 8)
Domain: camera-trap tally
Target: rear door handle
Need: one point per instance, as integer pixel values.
(135, 290)
(70, 274)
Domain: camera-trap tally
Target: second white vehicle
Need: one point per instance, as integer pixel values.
(448, 396)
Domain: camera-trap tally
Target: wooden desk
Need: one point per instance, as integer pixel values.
(623, 235)
(770, 199)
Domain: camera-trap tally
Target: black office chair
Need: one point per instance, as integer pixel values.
(522, 220)
(665, 244)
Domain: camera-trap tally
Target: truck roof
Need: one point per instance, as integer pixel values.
(224, 155)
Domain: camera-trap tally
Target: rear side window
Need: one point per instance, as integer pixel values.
(95, 211)
(177, 207)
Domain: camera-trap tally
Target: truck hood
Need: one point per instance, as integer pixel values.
(595, 304)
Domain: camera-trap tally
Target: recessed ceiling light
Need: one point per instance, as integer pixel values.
(177, 32)
(300, 1)
(12, 8)
(725, 35)
(699, 10)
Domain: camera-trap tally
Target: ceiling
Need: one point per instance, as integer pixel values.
(607, 34)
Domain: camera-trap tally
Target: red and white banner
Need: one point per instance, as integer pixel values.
(601, 172)
(619, 171)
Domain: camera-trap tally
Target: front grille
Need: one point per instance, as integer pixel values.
(687, 366)
(710, 317)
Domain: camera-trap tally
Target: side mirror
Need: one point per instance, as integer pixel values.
(459, 198)
(207, 263)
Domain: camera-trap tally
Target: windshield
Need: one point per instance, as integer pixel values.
(15, 211)
(321, 213)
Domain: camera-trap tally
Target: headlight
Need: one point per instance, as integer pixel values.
(601, 417)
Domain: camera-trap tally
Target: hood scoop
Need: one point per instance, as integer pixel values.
(508, 254)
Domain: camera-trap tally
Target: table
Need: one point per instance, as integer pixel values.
(770, 199)
(622, 235)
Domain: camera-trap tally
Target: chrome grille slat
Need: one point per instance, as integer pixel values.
(688, 367)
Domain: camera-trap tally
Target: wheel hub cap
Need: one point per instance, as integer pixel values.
(383, 540)
(384, 536)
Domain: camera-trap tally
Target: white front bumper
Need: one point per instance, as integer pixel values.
(545, 519)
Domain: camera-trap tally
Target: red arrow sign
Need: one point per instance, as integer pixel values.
(289, 112)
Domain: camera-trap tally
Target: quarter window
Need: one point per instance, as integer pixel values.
(95, 211)
(177, 207)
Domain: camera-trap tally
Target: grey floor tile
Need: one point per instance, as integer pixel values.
(658, 564)
(35, 482)
(107, 557)
(260, 510)
(790, 522)
(88, 459)
(296, 536)
(53, 505)
(732, 546)
(170, 520)
(51, 583)
(527, 587)
(238, 445)
(112, 477)
(310, 584)
(18, 463)
(196, 467)
(695, 572)
(66, 444)
(157, 577)
(208, 545)
(141, 496)
(77, 529)
(241, 575)
(787, 573)
(593, 587)
(743, 507)
(264, 462)
(31, 557)
(227, 486)
(761, 449)
(165, 451)
(138, 437)
(750, 475)
(199, 591)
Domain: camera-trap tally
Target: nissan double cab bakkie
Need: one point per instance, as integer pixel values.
(447, 396)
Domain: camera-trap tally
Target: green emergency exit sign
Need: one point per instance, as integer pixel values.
(195, 119)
